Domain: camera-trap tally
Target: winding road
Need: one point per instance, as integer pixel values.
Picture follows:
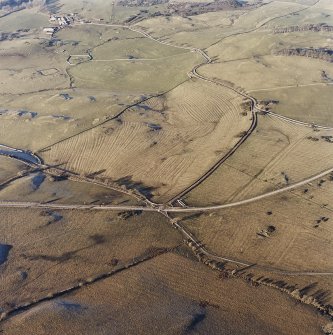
(165, 209)
(154, 207)
(162, 207)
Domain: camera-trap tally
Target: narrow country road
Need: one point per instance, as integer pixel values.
(165, 209)
(161, 207)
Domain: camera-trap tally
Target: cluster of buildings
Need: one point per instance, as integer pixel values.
(59, 22)
(50, 30)
(62, 20)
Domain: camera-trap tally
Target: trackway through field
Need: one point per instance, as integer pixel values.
(165, 209)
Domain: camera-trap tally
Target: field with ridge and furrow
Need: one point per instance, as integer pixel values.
(277, 154)
(289, 231)
(165, 143)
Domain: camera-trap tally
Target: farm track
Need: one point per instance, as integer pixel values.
(165, 209)
(194, 73)
(175, 223)
(161, 207)
(301, 123)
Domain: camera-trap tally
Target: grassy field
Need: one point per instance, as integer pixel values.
(197, 31)
(319, 13)
(9, 168)
(154, 290)
(193, 125)
(281, 72)
(142, 48)
(83, 244)
(275, 71)
(276, 155)
(242, 56)
(38, 187)
(312, 104)
(34, 81)
(88, 9)
(279, 233)
(135, 64)
(21, 62)
(26, 19)
(206, 29)
(135, 76)
(267, 13)
(67, 98)
(263, 42)
(54, 115)
(80, 38)
(291, 231)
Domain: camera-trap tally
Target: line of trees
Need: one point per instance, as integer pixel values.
(319, 53)
(306, 27)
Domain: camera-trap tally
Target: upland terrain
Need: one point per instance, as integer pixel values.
(166, 167)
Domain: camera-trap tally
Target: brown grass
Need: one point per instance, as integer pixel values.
(144, 300)
(53, 250)
(299, 240)
(9, 168)
(198, 124)
(277, 154)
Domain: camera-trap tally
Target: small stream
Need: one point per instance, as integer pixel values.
(4, 252)
(22, 155)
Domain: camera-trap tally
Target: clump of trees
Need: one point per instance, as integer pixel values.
(141, 3)
(8, 36)
(186, 8)
(196, 8)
